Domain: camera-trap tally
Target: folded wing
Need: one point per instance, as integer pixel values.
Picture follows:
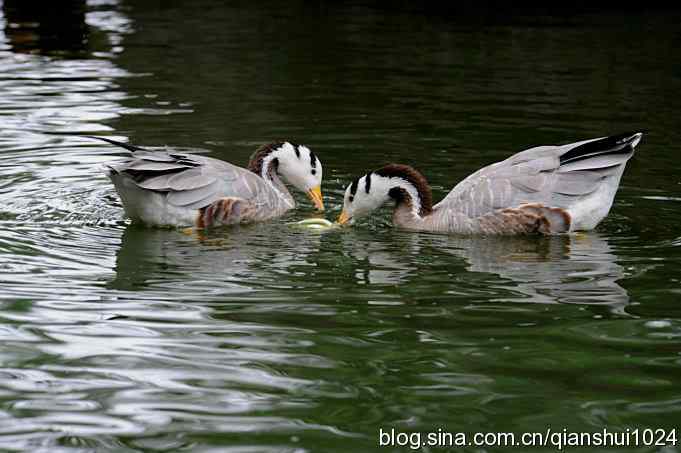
(552, 176)
(189, 180)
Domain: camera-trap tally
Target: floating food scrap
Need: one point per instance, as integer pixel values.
(316, 224)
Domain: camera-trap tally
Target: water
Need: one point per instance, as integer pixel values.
(273, 338)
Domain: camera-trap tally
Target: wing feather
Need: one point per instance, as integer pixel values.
(188, 180)
(153, 166)
(194, 198)
(154, 156)
(555, 176)
(577, 183)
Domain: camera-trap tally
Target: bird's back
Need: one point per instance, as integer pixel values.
(168, 188)
(580, 178)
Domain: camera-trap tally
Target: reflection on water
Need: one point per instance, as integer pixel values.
(243, 259)
(275, 338)
(49, 177)
(45, 27)
(579, 269)
(377, 262)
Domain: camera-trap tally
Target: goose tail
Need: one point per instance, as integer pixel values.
(590, 174)
(600, 153)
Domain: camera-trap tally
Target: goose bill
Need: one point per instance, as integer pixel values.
(343, 218)
(316, 197)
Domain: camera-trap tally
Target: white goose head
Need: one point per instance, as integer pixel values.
(401, 183)
(296, 164)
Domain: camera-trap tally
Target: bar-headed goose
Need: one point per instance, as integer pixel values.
(547, 189)
(167, 188)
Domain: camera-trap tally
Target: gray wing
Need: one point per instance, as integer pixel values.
(189, 180)
(556, 176)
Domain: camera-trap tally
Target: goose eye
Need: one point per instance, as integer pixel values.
(314, 172)
(351, 199)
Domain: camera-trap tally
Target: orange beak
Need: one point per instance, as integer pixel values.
(316, 197)
(343, 218)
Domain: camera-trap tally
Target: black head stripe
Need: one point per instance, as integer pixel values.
(296, 148)
(353, 186)
(398, 194)
(414, 178)
(313, 159)
(367, 182)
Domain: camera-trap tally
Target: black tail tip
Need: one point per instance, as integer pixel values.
(631, 138)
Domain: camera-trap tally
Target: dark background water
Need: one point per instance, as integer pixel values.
(272, 338)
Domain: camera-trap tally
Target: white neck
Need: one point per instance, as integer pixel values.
(384, 185)
(272, 178)
(266, 171)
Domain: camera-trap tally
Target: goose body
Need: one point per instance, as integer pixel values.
(546, 189)
(167, 188)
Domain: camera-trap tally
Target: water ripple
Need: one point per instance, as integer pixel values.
(271, 338)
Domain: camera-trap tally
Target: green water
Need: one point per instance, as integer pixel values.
(271, 338)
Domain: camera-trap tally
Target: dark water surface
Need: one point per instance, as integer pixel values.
(271, 338)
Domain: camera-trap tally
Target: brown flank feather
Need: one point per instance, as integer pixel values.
(416, 179)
